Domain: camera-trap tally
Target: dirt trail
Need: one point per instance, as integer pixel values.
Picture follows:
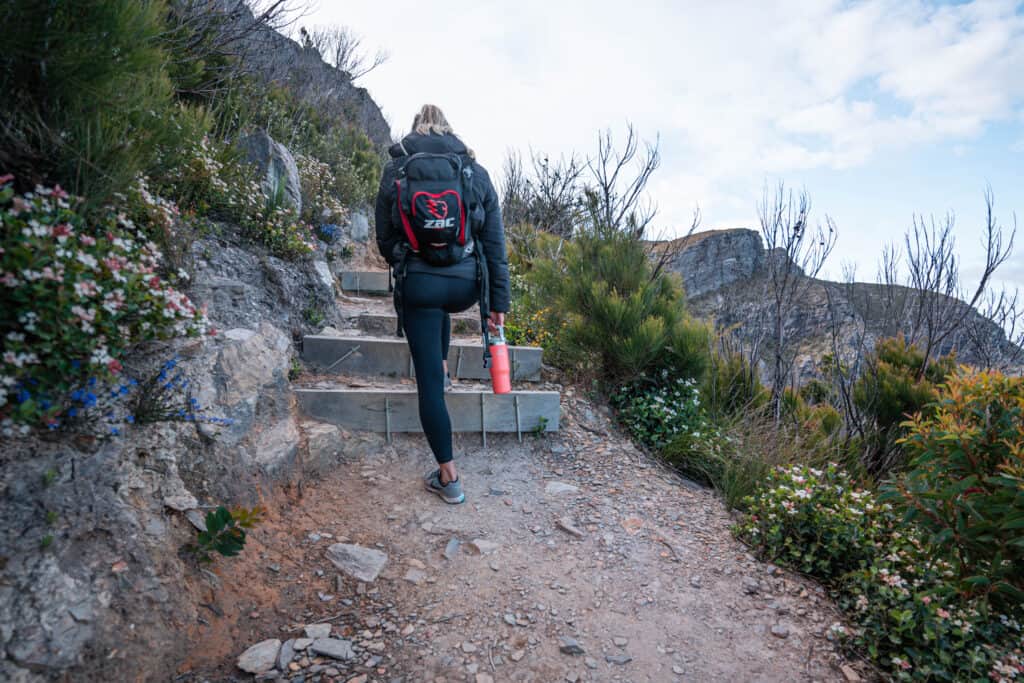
(656, 589)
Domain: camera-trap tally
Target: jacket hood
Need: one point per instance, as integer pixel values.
(414, 143)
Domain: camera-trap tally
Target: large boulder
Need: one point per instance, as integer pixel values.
(242, 287)
(279, 175)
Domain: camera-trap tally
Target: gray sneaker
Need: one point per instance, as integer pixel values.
(450, 493)
(447, 383)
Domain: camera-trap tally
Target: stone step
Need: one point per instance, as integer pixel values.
(384, 324)
(391, 358)
(396, 410)
(373, 282)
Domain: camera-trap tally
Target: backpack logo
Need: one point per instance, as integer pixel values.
(437, 208)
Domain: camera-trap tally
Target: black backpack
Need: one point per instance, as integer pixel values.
(435, 200)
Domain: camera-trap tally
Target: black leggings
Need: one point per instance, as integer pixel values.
(428, 300)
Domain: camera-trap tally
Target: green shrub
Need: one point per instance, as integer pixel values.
(965, 484)
(620, 321)
(533, 320)
(912, 620)
(902, 597)
(86, 96)
(354, 161)
(816, 520)
(76, 294)
(656, 413)
(896, 385)
(731, 387)
(225, 532)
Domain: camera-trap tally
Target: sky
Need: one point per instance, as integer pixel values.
(880, 109)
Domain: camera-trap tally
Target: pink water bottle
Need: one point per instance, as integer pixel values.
(501, 376)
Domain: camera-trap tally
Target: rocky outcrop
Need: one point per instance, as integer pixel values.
(245, 286)
(278, 174)
(709, 261)
(724, 274)
(281, 60)
(94, 582)
(93, 579)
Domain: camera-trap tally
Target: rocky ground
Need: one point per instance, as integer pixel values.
(575, 558)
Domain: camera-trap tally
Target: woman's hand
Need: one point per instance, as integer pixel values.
(497, 319)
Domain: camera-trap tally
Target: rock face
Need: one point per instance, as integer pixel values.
(243, 287)
(279, 176)
(725, 276)
(89, 547)
(280, 59)
(717, 258)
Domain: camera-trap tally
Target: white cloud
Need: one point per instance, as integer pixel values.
(738, 91)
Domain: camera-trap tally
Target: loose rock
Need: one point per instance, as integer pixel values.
(780, 631)
(415, 576)
(555, 487)
(285, 655)
(567, 526)
(261, 657)
(483, 547)
(362, 564)
(569, 646)
(314, 631)
(334, 648)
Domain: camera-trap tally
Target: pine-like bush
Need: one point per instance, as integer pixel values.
(86, 97)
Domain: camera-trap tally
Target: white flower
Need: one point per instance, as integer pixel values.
(88, 260)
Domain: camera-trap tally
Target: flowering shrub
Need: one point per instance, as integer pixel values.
(528, 324)
(965, 486)
(209, 182)
(816, 520)
(654, 414)
(902, 596)
(329, 232)
(161, 221)
(75, 296)
(108, 407)
(912, 619)
(320, 204)
(282, 231)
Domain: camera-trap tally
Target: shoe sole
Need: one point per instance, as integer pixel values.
(450, 501)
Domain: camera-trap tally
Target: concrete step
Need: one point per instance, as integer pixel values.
(396, 410)
(391, 358)
(383, 324)
(372, 282)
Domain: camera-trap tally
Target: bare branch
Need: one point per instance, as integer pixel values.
(795, 255)
(342, 48)
(617, 203)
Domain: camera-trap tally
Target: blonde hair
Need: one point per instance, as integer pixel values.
(430, 119)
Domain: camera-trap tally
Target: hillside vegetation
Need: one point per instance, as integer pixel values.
(890, 472)
(128, 128)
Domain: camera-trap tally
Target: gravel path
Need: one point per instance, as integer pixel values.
(575, 558)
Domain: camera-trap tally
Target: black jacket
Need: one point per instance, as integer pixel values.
(491, 235)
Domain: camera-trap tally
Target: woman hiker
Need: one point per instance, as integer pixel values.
(438, 223)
